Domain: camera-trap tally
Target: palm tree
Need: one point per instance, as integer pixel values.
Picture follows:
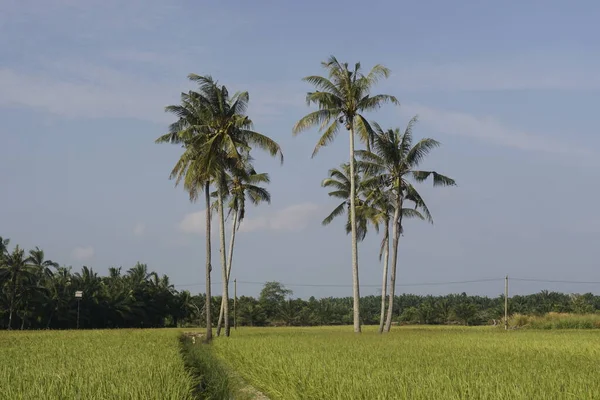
(4, 246)
(394, 160)
(342, 98)
(339, 182)
(242, 184)
(19, 271)
(190, 131)
(378, 209)
(38, 260)
(215, 131)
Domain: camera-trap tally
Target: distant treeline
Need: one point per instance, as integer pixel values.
(36, 293)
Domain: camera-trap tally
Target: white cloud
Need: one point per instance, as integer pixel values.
(82, 253)
(489, 129)
(293, 218)
(194, 222)
(139, 229)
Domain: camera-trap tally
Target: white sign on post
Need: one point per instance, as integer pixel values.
(79, 294)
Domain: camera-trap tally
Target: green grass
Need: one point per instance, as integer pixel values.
(556, 321)
(87, 365)
(303, 363)
(415, 363)
(214, 382)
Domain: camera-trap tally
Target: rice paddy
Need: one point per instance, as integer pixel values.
(415, 363)
(304, 363)
(85, 365)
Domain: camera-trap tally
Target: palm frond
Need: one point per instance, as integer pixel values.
(315, 118)
(438, 179)
(327, 137)
(336, 212)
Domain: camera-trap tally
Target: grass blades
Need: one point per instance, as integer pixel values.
(415, 363)
(555, 321)
(212, 380)
(107, 364)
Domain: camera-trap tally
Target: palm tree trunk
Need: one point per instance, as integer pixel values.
(12, 302)
(222, 250)
(355, 282)
(386, 259)
(397, 223)
(208, 264)
(229, 261)
(10, 314)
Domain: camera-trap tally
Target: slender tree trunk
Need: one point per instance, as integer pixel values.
(229, 261)
(10, 314)
(12, 303)
(208, 264)
(222, 251)
(355, 282)
(397, 223)
(50, 319)
(386, 259)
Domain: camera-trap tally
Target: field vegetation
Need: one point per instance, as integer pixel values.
(100, 364)
(555, 320)
(415, 363)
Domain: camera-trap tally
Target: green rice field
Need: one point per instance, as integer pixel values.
(86, 365)
(416, 363)
(306, 363)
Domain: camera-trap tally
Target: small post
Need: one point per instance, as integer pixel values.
(506, 303)
(235, 304)
(78, 296)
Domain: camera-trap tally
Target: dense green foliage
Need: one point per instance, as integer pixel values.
(415, 363)
(40, 294)
(44, 298)
(117, 364)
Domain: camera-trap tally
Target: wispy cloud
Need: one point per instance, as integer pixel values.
(293, 218)
(82, 90)
(489, 129)
(82, 253)
(289, 219)
(104, 96)
(537, 72)
(194, 222)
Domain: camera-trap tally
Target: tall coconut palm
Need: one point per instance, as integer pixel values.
(242, 184)
(378, 209)
(230, 135)
(190, 131)
(215, 132)
(342, 98)
(395, 159)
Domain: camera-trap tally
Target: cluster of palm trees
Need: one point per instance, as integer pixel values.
(374, 186)
(36, 293)
(218, 138)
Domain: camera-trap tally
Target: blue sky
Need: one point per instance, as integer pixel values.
(511, 91)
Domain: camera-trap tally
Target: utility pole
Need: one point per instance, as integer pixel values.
(235, 304)
(78, 296)
(506, 303)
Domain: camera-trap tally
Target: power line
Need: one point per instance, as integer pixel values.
(349, 285)
(555, 281)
